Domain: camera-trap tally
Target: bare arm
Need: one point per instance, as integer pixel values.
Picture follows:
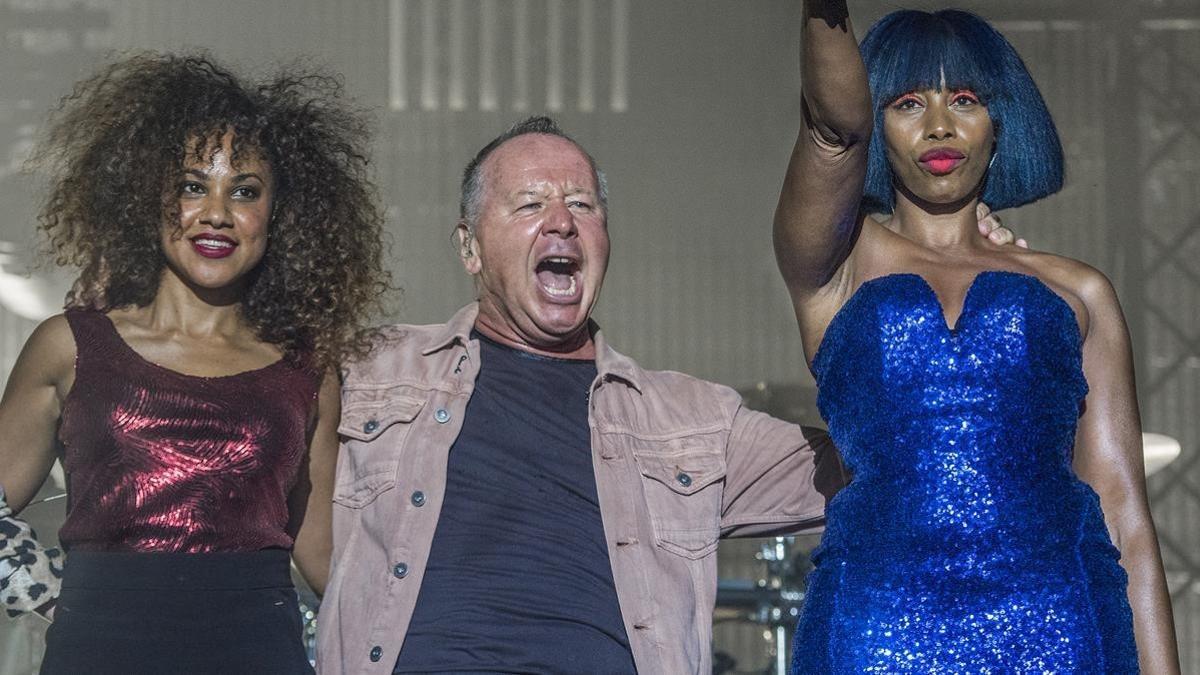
(818, 210)
(29, 416)
(312, 498)
(30, 410)
(1108, 455)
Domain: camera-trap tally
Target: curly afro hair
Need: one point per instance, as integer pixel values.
(116, 148)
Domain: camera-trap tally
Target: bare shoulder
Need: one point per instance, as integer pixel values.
(53, 339)
(49, 353)
(879, 247)
(1083, 280)
(1083, 286)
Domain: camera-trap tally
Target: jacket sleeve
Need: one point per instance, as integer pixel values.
(779, 477)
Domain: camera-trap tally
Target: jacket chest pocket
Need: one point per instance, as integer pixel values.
(372, 432)
(683, 490)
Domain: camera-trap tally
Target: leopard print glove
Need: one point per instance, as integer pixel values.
(30, 574)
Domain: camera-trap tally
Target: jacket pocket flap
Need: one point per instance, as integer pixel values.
(683, 473)
(367, 420)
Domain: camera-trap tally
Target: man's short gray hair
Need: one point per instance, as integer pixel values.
(471, 199)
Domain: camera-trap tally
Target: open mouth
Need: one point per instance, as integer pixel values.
(558, 276)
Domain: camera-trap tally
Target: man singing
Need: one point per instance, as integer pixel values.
(513, 494)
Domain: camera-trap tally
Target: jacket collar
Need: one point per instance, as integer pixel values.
(455, 331)
(610, 364)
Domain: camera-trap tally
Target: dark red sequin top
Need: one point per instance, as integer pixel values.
(157, 460)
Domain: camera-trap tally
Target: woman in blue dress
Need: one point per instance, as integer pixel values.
(982, 395)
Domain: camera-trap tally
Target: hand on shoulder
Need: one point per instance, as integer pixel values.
(993, 228)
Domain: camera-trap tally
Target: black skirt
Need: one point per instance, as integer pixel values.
(128, 613)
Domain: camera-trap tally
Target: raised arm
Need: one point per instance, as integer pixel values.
(1108, 455)
(312, 499)
(818, 210)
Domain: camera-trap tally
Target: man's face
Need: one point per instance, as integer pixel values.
(540, 246)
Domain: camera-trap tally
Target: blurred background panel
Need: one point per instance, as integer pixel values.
(691, 108)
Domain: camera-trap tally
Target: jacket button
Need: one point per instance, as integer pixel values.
(370, 426)
(376, 653)
(442, 415)
(684, 479)
(400, 570)
(418, 498)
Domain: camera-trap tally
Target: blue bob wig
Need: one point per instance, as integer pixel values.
(910, 50)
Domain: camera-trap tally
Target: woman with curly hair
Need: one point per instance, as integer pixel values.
(230, 248)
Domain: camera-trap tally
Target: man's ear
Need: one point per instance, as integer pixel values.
(468, 248)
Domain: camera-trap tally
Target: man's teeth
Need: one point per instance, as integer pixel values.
(213, 243)
(569, 290)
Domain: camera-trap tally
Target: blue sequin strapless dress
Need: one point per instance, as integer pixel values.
(965, 542)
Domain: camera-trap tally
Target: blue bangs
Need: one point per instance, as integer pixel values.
(910, 50)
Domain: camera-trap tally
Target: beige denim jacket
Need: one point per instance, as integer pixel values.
(678, 463)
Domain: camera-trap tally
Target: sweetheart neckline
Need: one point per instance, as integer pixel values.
(966, 303)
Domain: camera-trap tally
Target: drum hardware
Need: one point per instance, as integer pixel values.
(772, 601)
(754, 602)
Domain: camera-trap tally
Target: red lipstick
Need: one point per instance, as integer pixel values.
(941, 161)
(211, 245)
